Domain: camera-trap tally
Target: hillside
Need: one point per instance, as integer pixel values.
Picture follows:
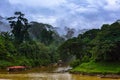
(99, 46)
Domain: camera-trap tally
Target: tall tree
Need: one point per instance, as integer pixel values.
(43, 32)
(20, 26)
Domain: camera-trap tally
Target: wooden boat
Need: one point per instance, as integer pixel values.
(16, 68)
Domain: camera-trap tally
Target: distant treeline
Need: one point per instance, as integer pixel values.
(37, 44)
(94, 45)
(29, 44)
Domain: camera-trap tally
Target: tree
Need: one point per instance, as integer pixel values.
(7, 49)
(44, 33)
(69, 48)
(107, 43)
(20, 27)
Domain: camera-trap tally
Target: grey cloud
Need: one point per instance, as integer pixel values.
(71, 13)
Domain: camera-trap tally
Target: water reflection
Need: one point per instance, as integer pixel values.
(44, 74)
(36, 76)
(50, 76)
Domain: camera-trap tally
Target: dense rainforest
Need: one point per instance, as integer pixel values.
(96, 48)
(29, 44)
(36, 44)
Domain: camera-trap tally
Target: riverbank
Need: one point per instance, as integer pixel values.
(45, 73)
(102, 69)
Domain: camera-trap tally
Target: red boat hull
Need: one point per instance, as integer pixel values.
(16, 68)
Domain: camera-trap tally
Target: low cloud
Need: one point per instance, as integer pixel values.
(82, 14)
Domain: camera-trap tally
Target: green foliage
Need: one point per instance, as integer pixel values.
(69, 48)
(80, 46)
(16, 48)
(29, 53)
(98, 67)
(75, 63)
(54, 56)
(20, 27)
(4, 63)
(44, 33)
(37, 52)
(21, 60)
(96, 44)
(99, 45)
(107, 43)
(7, 49)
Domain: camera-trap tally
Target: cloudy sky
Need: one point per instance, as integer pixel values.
(82, 14)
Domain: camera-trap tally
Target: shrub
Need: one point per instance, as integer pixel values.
(75, 63)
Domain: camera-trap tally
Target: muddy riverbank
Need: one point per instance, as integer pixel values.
(45, 73)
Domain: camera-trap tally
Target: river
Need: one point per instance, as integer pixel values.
(46, 74)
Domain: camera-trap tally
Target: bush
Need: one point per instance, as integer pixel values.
(4, 64)
(75, 63)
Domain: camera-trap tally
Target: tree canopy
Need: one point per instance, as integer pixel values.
(20, 26)
(95, 44)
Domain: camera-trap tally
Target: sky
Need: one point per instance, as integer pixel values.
(79, 14)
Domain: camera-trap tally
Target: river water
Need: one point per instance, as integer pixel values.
(45, 74)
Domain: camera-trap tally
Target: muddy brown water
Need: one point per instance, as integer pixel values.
(46, 74)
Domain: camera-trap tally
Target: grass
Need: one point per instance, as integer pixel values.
(98, 67)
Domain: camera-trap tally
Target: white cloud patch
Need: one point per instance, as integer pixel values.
(39, 3)
(112, 5)
(72, 13)
(87, 10)
(44, 19)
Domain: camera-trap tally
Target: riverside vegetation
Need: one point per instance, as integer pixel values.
(96, 50)
(28, 44)
(37, 44)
